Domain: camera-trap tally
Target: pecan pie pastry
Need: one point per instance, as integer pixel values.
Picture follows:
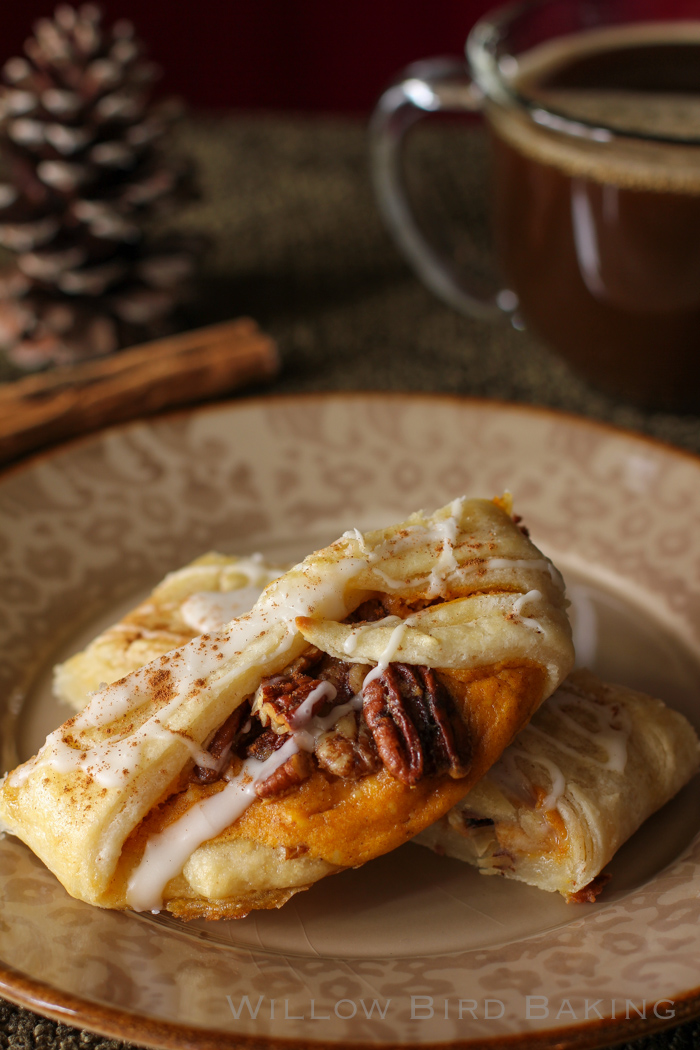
(366, 692)
(591, 766)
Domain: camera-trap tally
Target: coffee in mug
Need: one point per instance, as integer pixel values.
(595, 136)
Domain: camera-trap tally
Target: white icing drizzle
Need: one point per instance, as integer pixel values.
(304, 711)
(392, 584)
(557, 778)
(254, 569)
(536, 564)
(109, 761)
(444, 532)
(446, 563)
(207, 611)
(531, 596)
(389, 652)
(355, 534)
(447, 571)
(109, 769)
(558, 783)
(459, 575)
(113, 760)
(508, 775)
(167, 852)
(610, 737)
(584, 627)
(350, 643)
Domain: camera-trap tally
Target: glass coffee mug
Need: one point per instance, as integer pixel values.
(593, 112)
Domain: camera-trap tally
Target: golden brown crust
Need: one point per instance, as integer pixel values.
(236, 908)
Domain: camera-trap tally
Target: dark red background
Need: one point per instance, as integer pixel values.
(333, 55)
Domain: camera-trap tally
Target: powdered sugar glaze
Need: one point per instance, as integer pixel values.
(604, 746)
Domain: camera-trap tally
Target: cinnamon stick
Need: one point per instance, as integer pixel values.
(208, 362)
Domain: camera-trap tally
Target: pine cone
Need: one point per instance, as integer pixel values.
(86, 176)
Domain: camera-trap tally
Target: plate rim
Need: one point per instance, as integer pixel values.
(526, 407)
(67, 1008)
(127, 1026)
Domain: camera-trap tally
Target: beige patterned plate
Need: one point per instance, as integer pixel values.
(413, 949)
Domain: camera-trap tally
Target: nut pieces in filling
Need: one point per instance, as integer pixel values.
(407, 722)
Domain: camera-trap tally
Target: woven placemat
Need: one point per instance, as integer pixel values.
(298, 245)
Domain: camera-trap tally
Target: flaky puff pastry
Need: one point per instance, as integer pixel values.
(214, 587)
(110, 804)
(592, 765)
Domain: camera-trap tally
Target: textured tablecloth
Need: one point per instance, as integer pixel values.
(297, 244)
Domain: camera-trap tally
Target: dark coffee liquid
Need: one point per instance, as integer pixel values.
(644, 68)
(601, 241)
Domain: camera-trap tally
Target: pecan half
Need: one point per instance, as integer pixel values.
(223, 738)
(265, 743)
(348, 750)
(340, 675)
(294, 771)
(414, 723)
(282, 694)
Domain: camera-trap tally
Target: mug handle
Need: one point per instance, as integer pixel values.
(434, 85)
